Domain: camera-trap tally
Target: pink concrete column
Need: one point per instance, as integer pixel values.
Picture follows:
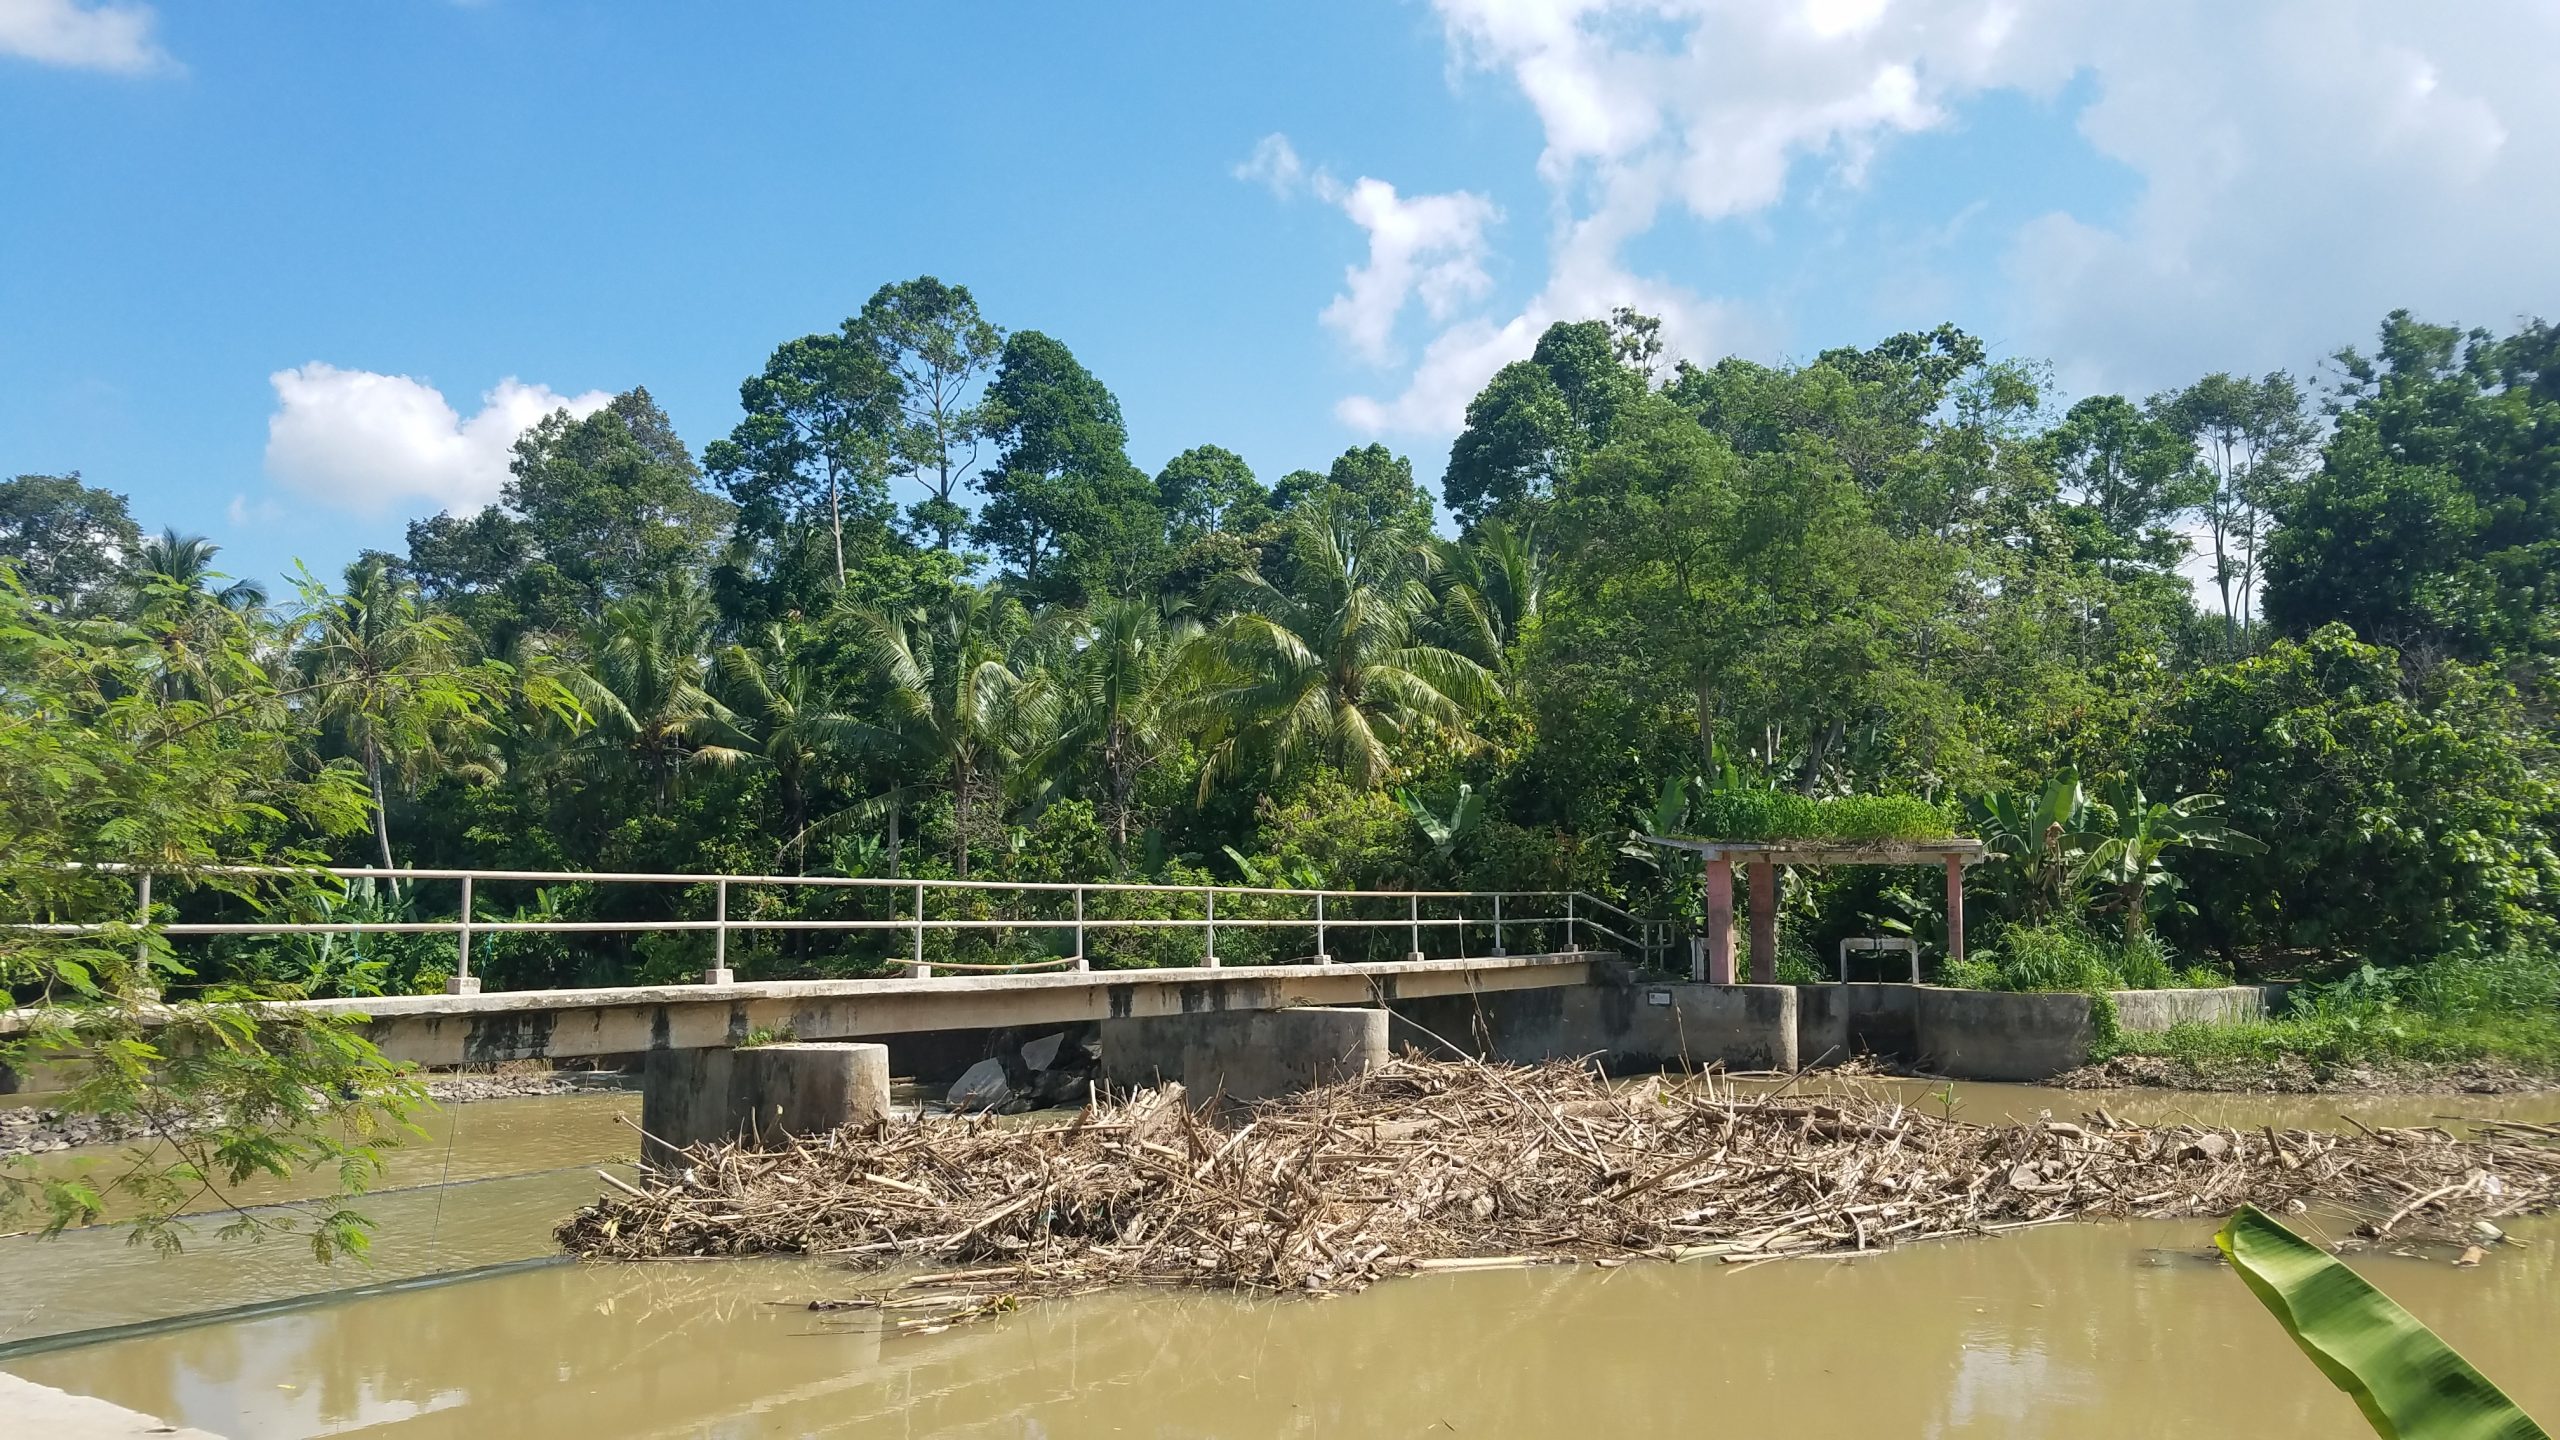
(1719, 921)
(1764, 923)
(1955, 908)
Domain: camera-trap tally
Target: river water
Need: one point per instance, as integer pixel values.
(2068, 1330)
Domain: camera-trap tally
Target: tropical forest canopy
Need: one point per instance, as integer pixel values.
(1906, 577)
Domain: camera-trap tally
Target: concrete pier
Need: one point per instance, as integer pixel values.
(1243, 1055)
(762, 1092)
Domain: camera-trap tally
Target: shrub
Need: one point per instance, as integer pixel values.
(1746, 814)
(2067, 956)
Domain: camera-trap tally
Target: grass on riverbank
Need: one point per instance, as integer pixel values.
(2494, 1009)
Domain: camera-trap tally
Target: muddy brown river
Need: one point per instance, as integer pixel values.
(2069, 1330)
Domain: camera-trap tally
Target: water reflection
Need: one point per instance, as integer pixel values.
(2100, 1330)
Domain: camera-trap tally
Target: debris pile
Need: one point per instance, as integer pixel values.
(1431, 1165)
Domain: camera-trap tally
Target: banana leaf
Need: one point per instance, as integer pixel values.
(2409, 1383)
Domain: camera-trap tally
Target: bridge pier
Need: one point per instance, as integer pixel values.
(761, 1092)
(1243, 1054)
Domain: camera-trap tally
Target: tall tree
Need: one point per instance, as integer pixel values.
(1066, 511)
(597, 509)
(2433, 520)
(1206, 489)
(68, 541)
(1537, 418)
(1368, 485)
(817, 442)
(2254, 437)
(932, 341)
(2127, 471)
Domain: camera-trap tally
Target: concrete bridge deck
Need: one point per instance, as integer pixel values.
(567, 1024)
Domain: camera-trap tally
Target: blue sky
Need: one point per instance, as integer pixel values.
(587, 196)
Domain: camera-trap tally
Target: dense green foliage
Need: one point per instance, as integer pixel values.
(918, 613)
(2502, 1007)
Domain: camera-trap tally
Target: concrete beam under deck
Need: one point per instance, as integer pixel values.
(565, 1024)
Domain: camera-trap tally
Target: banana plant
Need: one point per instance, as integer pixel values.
(1667, 815)
(2042, 843)
(1444, 831)
(1274, 873)
(2408, 1382)
(2133, 832)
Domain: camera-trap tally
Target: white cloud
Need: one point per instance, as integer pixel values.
(2301, 167)
(2305, 167)
(1275, 165)
(82, 36)
(366, 443)
(1428, 247)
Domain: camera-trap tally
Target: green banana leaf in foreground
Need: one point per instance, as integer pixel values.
(2409, 1383)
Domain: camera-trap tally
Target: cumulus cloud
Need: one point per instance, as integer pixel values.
(1427, 247)
(2300, 166)
(363, 442)
(82, 36)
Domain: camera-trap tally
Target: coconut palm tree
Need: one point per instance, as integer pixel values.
(1329, 669)
(964, 700)
(1495, 582)
(1123, 682)
(388, 677)
(643, 680)
(785, 713)
(195, 626)
(172, 564)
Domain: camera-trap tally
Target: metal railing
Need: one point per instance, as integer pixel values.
(1497, 911)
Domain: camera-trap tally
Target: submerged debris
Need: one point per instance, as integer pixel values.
(1438, 1165)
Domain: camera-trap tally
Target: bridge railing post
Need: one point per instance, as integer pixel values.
(918, 969)
(1323, 956)
(1497, 922)
(1413, 916)
(1571, 938)
(142, 982)
(463, 981)
(1209, 937)
(1082, 963)
(720, 973)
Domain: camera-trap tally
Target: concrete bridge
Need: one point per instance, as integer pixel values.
(439, 1030)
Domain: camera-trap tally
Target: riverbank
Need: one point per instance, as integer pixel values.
(35, 1129)
(2294, 1074)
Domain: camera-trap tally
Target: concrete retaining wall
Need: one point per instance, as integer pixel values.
(2160, 1009)
(1243, 1055)
(1629, 1026)
(1993, 1035)
(1839, 1022)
